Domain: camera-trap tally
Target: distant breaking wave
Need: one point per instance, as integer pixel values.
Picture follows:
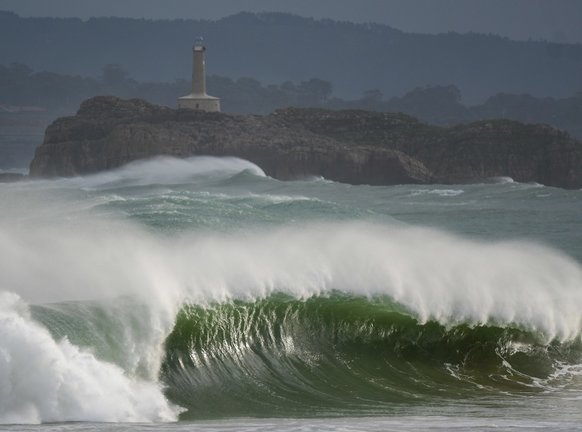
(164, 170)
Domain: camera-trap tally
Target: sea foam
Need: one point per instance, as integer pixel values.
(44, 380)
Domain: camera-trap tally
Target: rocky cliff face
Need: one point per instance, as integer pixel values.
(349, 146)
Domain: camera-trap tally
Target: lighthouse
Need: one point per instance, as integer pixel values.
(198, 99)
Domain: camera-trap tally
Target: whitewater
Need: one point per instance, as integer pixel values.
(173, 294)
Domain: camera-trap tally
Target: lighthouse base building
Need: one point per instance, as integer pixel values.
(198, 99)
(199, 102)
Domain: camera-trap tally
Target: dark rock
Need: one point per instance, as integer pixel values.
(349, 146)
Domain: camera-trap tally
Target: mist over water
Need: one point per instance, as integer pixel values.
(142, 293)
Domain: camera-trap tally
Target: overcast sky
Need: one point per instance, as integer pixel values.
(556, 20)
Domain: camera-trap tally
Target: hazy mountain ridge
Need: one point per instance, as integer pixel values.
(275, 47)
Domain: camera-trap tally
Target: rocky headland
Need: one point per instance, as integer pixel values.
(358, 147)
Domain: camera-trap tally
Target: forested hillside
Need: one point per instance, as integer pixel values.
(274, 48)
(57, 94)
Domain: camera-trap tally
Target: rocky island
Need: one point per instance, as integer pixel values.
(357, 147)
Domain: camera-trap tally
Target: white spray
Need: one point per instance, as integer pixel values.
(45, 381)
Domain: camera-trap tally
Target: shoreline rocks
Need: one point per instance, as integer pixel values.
(357, 147)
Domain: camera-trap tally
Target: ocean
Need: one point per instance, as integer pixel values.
(201, 294)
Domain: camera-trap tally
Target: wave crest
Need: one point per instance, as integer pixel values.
(343, 354)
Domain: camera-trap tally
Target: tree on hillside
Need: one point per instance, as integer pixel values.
(315, 91)
(113, 75)
(437, 104)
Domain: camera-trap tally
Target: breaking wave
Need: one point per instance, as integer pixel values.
(277, 314)
(165, 170)
(345, 355)
(107, 316)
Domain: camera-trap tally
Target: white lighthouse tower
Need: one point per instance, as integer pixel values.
(198, 99)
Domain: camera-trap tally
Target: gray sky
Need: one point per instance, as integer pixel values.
(556, 20)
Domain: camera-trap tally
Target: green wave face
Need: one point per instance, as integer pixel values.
(344, 355)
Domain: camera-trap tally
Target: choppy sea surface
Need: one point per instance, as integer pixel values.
(200, 294)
